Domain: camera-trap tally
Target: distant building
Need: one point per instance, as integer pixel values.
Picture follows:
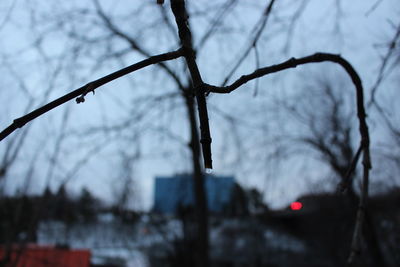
(171, 193)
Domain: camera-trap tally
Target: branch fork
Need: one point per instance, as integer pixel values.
(201, 90)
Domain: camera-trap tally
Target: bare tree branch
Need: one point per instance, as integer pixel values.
(181, 18)
(14, 145)
(200, 89)
(261, 25)
(133, 43)
(296, 16)
(215, 22)
(385, 60)
(81, 92)
(363, 127)
(179, 10)
(347, 179)
(8, 15)
(164, 13)
(373, 7)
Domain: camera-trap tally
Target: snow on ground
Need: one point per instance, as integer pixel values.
(113, 242)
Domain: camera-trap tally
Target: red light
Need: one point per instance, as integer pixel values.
(296, 205)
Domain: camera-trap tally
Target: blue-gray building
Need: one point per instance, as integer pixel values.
(170, 193)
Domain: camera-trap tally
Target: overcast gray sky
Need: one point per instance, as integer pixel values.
(348, 29)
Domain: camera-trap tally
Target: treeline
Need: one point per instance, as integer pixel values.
(20, 215)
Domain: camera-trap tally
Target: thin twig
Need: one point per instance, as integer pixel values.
(221, 14)
(8, 15)
(133, 43)
(382, 69)
(261, 25)
(81, 92)
(296, 16)
(361, 212)
(257, 58)
(373, 7)
(347, 179)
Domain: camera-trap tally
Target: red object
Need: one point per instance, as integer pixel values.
(296, 205)
(46, 256)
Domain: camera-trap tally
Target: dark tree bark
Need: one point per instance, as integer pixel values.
(201, 210)
(198, 90)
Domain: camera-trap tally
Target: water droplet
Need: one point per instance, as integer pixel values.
(208, 171)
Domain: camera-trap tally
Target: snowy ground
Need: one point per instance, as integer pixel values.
(126, 245)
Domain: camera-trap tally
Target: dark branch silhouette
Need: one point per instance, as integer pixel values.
(179, 10)
(363, 127)
(81, 92)
(261, 26)
(200, 90)
(382, 69)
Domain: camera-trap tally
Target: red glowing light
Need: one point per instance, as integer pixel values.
(296, 205)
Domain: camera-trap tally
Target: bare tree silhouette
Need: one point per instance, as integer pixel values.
(193, 92)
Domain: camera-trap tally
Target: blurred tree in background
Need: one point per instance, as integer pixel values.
(145, 123)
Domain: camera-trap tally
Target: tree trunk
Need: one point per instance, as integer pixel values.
(201, 211)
